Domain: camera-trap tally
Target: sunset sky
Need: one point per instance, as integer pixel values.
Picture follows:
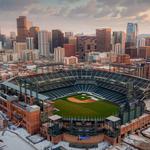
(76, 15)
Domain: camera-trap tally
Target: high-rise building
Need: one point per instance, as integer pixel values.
(141, 42)
(116, 48)
(34, 33)
(59, 54)
(3, 40)
(144, 52)
(8, 43)
(30, 43)
(132, 52)
(44, 43)
(0, 45)
(73, 40)
(12, 35)
(57, 39)
(68, 34)
(12, 39)
(103, 38)
(69, 50)
(85, 44)
(118, 42)
(131, 37)
(147, 41)
(23, 26)
(19, 47)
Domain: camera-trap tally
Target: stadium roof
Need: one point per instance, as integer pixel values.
(11, 85)
(113, 118)
(55, 117)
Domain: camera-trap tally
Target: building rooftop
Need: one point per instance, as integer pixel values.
(33, 108)
(11, 85)
(113, 118)
(55, 117)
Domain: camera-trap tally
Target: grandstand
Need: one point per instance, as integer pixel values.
(65, 82)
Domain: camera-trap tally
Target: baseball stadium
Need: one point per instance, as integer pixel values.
(80, 104)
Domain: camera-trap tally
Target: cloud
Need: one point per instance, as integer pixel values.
(15, 5)
(91, 12)
(78, 8)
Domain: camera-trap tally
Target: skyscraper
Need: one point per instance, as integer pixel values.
(3, 39)
(147, 41)
(67, 36)
(85, 44)
(30, 43)
(59, 54)
(103, 40)
(73, 40)
(19, 47)
(57, 39)
(12, 35)
(44, 43)
(23, 26)
(0, 45)
(69, 50)
(141, 42)
(132, 32)
(118, 42)
(34, 33)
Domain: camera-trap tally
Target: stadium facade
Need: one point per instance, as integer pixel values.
(30, 100)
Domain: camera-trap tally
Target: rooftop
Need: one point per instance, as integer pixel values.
(113, 118)
(55, 117)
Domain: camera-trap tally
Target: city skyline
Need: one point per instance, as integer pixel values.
(76, 15)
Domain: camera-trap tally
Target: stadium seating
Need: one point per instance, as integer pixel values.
(109, 85)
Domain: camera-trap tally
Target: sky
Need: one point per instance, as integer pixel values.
(76, 15)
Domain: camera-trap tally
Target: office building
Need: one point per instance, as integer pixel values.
(68, 34)
(3, 40)
(30, 43)
(73, 40)
(85, 44)
(0, 45)
(147, 41)
(132, 52)
(103, 38)
(59, 54)
(19, 46)
(44, 43)
(57, 39)
(144, 52)
(141, 42)
(34, 33)
(69, 50)
(12, 35)
(23, 26)
(131, 37)
(118, 42)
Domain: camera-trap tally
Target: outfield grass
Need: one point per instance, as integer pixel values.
(100, 108)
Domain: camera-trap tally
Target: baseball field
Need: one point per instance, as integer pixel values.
(84, 106)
